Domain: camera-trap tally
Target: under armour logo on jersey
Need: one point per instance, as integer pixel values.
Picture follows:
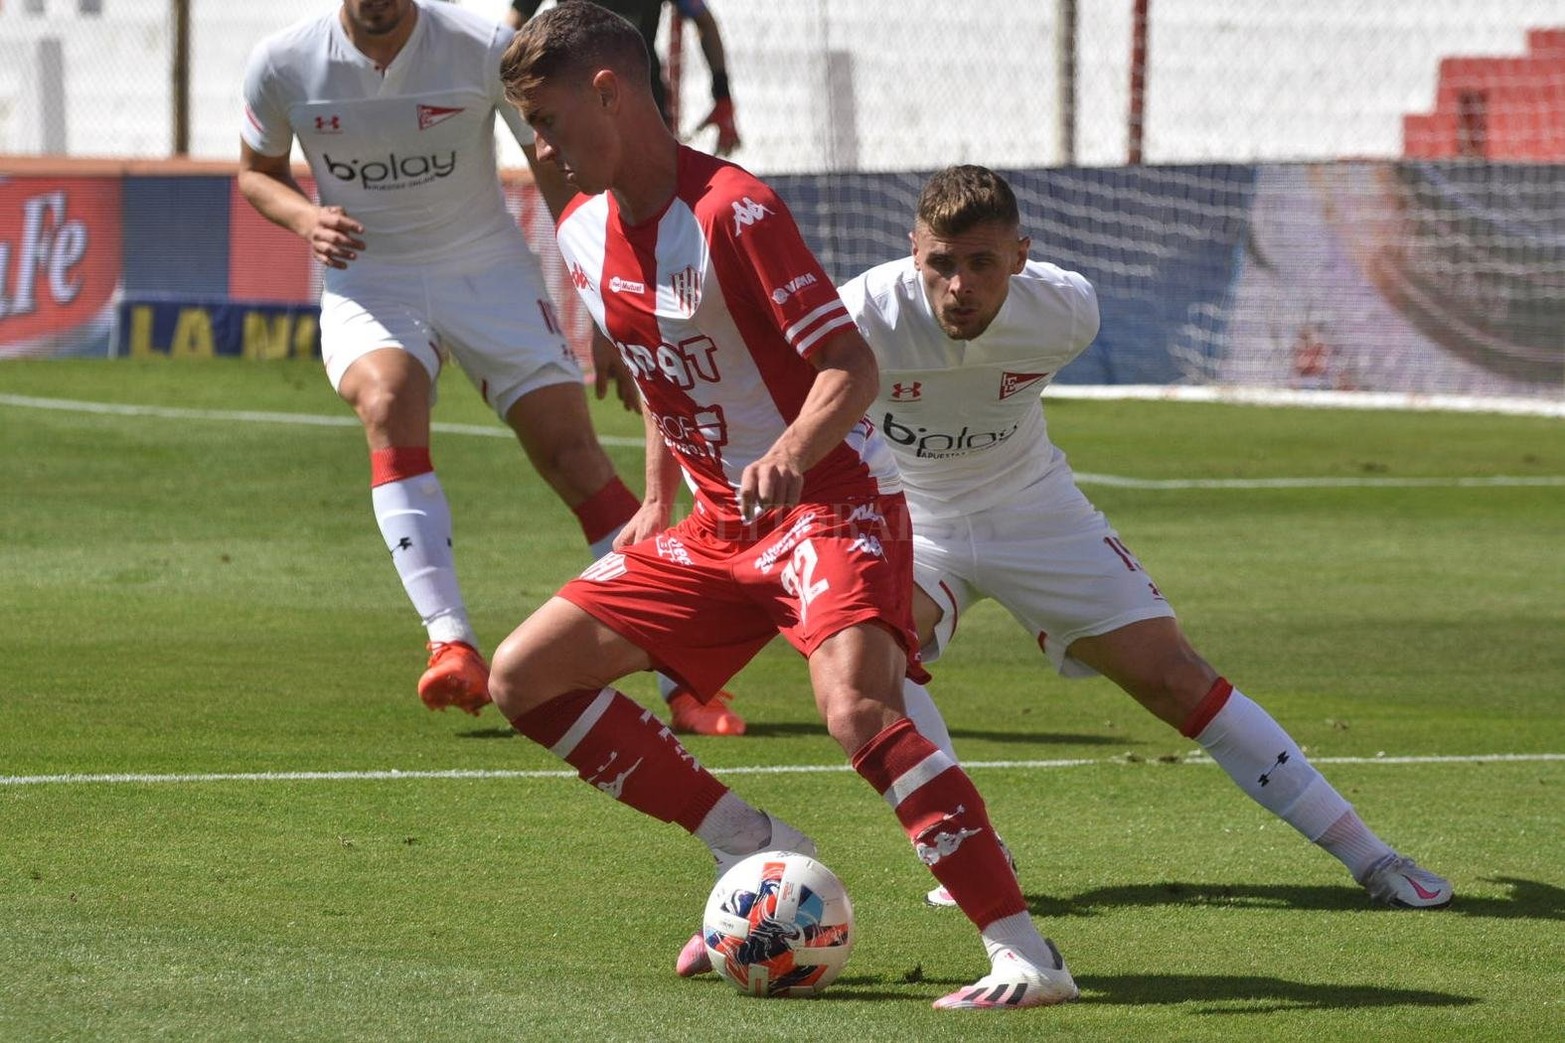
(1011, 383)
(328, 124)
(910, 392)
(747, 212)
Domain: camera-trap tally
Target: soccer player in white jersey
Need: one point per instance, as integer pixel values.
(393, 103)
(968, 331)
(754, 384)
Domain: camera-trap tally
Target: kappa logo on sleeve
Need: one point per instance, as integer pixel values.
(747, 212)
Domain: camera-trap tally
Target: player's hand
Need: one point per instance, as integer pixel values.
(648, 521)
(334, 238)
(607, 365)
(722, 117)
(775, 480)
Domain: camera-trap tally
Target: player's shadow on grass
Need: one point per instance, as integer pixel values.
(1210, 993)
(1253, 994)
(1528, 900)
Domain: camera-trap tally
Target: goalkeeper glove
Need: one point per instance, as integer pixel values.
(722, 117)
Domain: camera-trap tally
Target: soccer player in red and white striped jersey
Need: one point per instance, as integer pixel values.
(754, 382)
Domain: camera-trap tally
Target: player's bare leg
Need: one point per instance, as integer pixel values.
(553, 677)
(1155, 664)
(390, 391)
(555, 430)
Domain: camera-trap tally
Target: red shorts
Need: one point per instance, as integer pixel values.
(702, 605)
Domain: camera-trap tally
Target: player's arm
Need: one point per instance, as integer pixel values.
(657, 506)
(722, 115)
(846, 382)
(268, 183)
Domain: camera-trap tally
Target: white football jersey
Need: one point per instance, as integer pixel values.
(408, 151)
(963, 417)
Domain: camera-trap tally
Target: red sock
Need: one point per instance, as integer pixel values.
(398, 462)
(1215, 699)
(943, 814)
(606, 510)
(626, 752)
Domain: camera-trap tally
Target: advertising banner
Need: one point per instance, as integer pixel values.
(60, 264)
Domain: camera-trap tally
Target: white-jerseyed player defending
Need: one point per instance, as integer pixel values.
(393, 103)
(968, 331)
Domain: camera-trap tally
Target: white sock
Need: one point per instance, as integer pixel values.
(734, 827)
(1354, 844)
(1268, 765)
(921, 710)
(415, 520)
(1018, 935)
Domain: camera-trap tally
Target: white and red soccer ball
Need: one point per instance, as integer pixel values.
(778, 924)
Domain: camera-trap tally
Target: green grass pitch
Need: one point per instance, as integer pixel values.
(200, 627)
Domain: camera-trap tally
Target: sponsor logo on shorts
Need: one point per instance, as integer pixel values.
(785, 543)
(671, 548)
(746, 213)
(619, 284)
(943, 445)
(1011, 383)
(391, 170)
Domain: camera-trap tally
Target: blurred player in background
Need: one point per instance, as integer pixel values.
(393, 103)
(968, 331)
(754, 384)
(645, 15)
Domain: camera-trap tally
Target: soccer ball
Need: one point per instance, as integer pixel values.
(778, 924)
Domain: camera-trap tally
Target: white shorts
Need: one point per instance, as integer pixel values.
(1058, 568)
(490, 312)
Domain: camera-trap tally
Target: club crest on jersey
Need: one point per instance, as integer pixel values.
(747, 212)
(909, 392)
(1011, 383)
(686, 285)
(429, 115)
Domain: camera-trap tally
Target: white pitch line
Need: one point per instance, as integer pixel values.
(397, 775)
(498, 431)
(245, 416)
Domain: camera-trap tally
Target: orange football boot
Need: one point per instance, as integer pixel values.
(457, 676)
(693, 717)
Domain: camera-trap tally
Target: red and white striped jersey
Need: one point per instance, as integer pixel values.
(715, 305)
